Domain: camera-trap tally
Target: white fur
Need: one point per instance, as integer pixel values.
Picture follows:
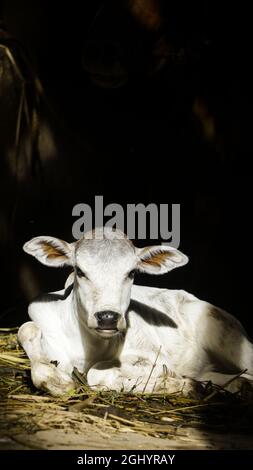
(187, 339)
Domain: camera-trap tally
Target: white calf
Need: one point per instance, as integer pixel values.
(124, 336)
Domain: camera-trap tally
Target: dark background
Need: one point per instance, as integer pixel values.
(135, 108)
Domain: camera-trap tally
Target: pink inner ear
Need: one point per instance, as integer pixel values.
(157, 259)
(52, 252)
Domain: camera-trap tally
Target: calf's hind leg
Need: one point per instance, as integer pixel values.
(234, 384)
(45, 375)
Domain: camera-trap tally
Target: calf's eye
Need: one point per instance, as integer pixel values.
(79, 272)
(131, 274)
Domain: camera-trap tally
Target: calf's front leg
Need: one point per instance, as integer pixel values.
(134, 375)
(44, 372)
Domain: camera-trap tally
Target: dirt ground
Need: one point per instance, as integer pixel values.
(94, 439)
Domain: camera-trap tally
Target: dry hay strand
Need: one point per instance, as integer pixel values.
(23, 408)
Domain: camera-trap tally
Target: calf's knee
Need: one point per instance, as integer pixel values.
(47, 377)
(28, 332)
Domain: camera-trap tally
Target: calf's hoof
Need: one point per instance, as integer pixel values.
(47, 377)
(185, 387)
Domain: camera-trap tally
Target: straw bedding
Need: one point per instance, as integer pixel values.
(25, 409)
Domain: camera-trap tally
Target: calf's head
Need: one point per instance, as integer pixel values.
(104, 264)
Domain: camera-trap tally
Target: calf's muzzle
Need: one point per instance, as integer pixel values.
(107, 319)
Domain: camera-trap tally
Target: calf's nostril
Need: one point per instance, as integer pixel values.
(107, 317)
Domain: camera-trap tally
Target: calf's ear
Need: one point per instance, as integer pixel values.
(50, 251)
(160, 259)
